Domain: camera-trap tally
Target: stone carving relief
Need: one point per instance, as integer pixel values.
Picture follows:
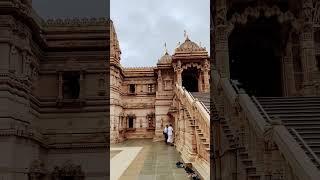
(26, 64)
(102, 84)
(37, 170)
(189, 65)
(316, 15)
(206, 65)
(221, 16)
(13, 58)
(77, 21)
(307, 11)
(267, 12)
(68, 170)
(159, 81)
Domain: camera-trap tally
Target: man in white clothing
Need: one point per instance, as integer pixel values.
(165, 133)
(170, 135)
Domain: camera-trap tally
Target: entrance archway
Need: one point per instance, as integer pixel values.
(255, 52)
(190, 79)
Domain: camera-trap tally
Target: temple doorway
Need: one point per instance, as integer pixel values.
(255, 56)
(190, 79)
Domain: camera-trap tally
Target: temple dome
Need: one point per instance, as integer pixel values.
(165, 59)
(189, 46)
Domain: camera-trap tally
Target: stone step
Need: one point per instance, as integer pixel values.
(203, 139)
(295, 115)
(297, 124)
(251, 170)
(244, 155)
(310, 139)
(247, 162)
(288, 99)
(206, 143)
(290, 106)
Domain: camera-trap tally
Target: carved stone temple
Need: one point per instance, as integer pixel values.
(53, 96)
(175, 91)
(265, 106)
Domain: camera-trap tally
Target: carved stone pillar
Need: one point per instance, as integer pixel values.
(26, 64)
(200, 82)
(178, 70)
(82, 88)
(60, 86)
(288, 72)
(308, 59)
(13, 59)
(221, 33)
(206, 70)
(159, 81)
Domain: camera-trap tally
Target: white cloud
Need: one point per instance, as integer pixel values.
(143, 26)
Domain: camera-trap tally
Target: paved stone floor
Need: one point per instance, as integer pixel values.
(155, 161)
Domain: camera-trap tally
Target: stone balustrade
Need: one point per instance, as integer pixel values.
(263, 146)
(198, 130)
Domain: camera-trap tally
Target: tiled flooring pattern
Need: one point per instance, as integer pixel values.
(156, 161)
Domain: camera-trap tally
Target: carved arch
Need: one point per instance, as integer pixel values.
(186, 66)
(264, 11)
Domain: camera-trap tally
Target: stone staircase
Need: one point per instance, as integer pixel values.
(245, 159)
(301, 115)
(202, 97)
(205, 141)
(193, 134)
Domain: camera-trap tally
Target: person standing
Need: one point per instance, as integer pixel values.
(170, 135)
(165, 133)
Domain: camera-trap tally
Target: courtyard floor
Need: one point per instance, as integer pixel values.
(142, 159)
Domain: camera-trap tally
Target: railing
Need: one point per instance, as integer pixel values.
(261, 109)
(199, 113)
(244, 119)
(235, 86)
(305, 145)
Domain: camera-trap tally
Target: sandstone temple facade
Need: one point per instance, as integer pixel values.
(53, 96)
(265, 89)
(176, 91)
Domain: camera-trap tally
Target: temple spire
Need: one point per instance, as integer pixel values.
(165, 48)
(186, 35)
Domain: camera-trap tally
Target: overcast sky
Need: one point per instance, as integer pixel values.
(71, 8)
(143, 27)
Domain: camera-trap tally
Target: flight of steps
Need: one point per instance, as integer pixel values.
(205, 142)
(202, 97)
(299, 114)
(250, 169)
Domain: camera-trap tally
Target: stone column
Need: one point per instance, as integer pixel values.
(159, 81)
(206, 70)
(221, 33)
(288, 72)
(26, 64)
(13, 59)
(179, 77)
(200, 82)
(60, 84)
(308, 59)
(178, 70)
(81, 95)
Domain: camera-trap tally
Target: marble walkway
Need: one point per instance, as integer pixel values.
(142, 159)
